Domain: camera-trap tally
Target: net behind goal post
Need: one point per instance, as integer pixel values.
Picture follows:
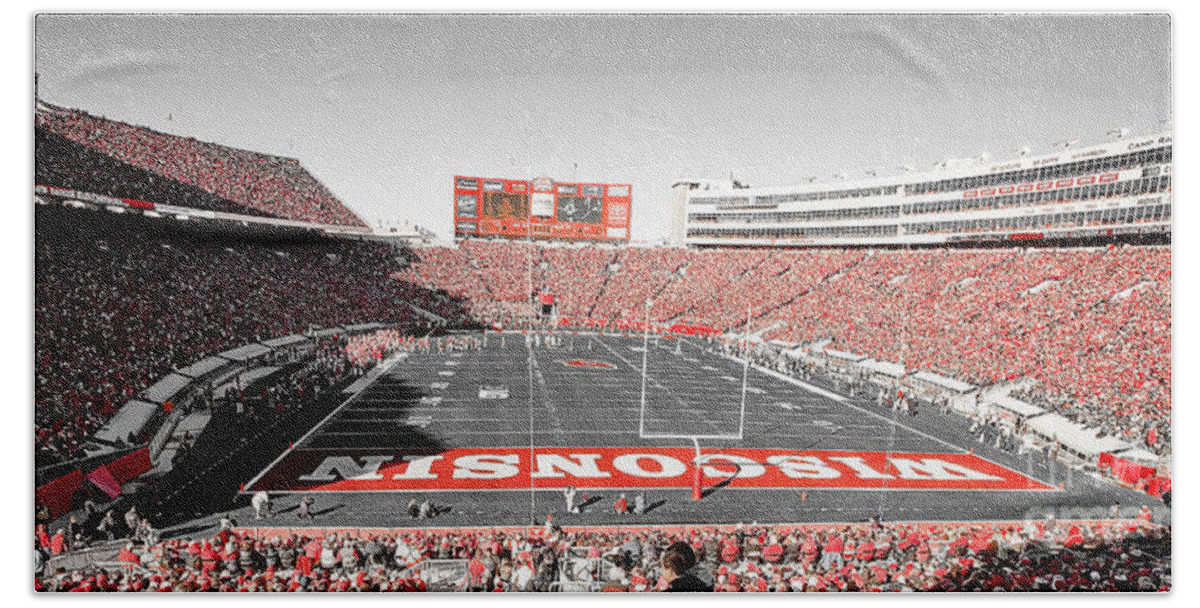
(695, 438)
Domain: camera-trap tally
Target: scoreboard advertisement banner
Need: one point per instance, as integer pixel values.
(541, 208)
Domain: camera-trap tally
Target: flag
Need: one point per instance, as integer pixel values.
(105, 481)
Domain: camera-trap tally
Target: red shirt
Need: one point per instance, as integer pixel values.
(773, 553)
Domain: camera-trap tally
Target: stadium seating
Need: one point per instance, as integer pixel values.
(122, 300)
(1067, 556)
(63, 163)
(257, 183)
(1090, 325)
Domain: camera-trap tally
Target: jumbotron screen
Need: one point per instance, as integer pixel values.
(540, 208)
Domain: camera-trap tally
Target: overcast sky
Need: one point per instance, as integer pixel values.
(385, 110)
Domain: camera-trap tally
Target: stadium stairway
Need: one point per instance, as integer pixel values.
(193, 424)
(440, 320)
(833, 276)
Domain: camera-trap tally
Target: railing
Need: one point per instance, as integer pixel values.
(574, 570)
(160, 439)
(90, 557)
(440, 574)
(574, 587)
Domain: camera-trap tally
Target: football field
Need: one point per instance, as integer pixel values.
(491, 436)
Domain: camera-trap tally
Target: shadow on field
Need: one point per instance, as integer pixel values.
(233, 450)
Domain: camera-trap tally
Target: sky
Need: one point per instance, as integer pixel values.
(386, 109)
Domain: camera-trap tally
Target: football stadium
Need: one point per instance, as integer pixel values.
(953, 379)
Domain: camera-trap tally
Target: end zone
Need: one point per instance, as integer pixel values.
(515, 469)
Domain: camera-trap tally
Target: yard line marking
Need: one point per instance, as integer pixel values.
(421, 421)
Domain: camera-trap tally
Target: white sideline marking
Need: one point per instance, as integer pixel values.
(842, 400)
(389, 363)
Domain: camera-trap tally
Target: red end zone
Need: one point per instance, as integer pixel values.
(481, 469)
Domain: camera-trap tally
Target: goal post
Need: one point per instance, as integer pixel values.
(697, 463)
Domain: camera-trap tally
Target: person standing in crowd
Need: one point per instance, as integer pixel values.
(107, 524)
(677, 561)
(146, 533)
(131, 520)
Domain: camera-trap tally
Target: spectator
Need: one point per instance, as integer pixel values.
(304, 510)
(677, 562)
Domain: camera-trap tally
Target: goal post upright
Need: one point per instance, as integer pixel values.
(745, 374)
(645, 354)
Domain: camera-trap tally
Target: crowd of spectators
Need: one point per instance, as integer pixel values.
(122, 300)
(1090, 325)
(366, 350)
(639, 274)
(269, 185)
(1113, 555)
(448, 273)
(62, 163)
(575, 275)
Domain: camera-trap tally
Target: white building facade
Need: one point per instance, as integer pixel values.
(1102, 191)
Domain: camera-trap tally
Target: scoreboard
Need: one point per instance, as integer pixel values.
(541, 208)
